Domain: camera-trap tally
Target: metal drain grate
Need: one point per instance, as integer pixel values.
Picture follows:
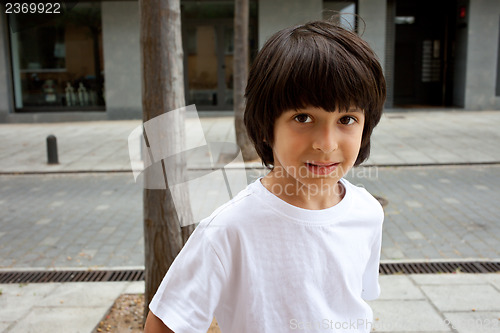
(440, 267)
(138, 274)
(71, 276)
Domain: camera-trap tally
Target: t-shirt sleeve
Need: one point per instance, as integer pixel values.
(190, 291)
(371, 287)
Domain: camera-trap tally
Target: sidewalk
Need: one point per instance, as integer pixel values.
(467, 303)
(59, 307)
(400, 139)
(435, 212)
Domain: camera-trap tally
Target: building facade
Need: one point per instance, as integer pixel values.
(83, 63)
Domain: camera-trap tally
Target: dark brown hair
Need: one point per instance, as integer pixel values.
(317, 64)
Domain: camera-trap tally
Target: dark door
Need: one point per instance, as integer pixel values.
(423, 57)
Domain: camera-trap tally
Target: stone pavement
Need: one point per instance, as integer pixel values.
(438, 170)
(59, 307)
(95, 220)
(465, 303)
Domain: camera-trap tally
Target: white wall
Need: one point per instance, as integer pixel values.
(278, 14)
(374, 14)
(122, 62)
(275, 15)
(482, 55)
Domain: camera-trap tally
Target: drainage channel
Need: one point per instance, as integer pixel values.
(138, 274)
(71, 276)
(440, 267)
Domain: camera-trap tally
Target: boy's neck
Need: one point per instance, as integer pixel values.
(315, 196)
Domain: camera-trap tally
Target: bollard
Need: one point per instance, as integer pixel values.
(52, 150)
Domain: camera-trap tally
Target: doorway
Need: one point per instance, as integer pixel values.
(208, 62)
(423, 54)
(208, 42)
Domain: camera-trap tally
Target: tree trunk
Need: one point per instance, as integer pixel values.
(241, 13)
(162, 91)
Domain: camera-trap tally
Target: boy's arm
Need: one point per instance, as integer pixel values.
(155, 325)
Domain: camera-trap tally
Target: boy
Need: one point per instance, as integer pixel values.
(299, 248)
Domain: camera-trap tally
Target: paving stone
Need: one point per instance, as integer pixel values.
(100, 294)
(53, 320)
(4, 325)
(398, 287)
(451, 279)
(414, 235)
(406, 316)
(494, 280)
(463, 297)
(135, 288)
(17, 299)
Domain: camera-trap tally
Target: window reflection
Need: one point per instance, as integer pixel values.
(58, 64)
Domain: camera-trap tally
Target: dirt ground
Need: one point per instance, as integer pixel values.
(126, 315)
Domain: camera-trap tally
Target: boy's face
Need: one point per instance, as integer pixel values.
(314, 146)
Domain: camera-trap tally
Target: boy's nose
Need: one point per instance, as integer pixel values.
(326, 140)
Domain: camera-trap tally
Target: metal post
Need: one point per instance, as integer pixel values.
(52, 150)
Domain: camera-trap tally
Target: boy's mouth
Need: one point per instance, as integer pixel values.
(321, 168)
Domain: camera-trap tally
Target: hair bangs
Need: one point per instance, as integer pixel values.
(313, 72)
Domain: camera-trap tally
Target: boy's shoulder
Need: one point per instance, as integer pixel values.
(362, 198)
(358, 190)
(236, 208)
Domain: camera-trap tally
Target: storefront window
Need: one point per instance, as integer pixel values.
(58, 64)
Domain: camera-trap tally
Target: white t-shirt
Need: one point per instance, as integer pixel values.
(260, 264)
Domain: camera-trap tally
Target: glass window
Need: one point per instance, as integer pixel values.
(58, 63)
(208, 39)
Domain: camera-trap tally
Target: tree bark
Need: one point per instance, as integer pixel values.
(241, 18)
(162, 91)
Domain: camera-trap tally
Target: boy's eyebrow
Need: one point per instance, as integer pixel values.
(355, 110)
(352, 110)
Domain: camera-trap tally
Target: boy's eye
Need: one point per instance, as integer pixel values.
(302, 118)
(347, 120)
